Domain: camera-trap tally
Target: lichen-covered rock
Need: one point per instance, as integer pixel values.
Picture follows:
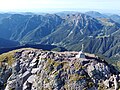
(44, 70)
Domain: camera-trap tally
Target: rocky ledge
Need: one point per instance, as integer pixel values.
(35, 69)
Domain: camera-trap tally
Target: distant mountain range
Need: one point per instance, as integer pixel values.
(98, 32)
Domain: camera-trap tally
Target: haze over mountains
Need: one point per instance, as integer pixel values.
(98, 32)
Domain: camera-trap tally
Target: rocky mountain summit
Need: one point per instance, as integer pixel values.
(35, 69)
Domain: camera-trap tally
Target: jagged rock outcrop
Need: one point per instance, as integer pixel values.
(35, 69)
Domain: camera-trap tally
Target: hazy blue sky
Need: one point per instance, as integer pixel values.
(59, 5)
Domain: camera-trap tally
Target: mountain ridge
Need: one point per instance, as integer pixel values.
(68, 32)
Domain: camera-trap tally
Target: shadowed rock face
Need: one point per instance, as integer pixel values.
(8, 43)
(40, 70)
